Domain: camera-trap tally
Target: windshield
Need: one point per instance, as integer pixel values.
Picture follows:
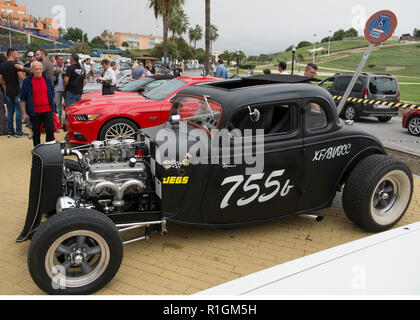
(165, 90)
(198, 111)
(135, 85)
(383, 85)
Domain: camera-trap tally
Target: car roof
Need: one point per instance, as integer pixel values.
(259, 89)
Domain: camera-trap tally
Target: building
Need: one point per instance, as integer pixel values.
(134, 41)
(16, 15)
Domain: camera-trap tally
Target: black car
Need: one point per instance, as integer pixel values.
(372, 87)
(281, 150)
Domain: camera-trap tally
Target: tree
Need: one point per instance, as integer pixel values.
(74, 34)
(125, 44)
(226, 56)
(195, 35)
(98, 43)
(82, 48)
(208, 36)
(303, 44)
(339, 35)
(178, 22)
(351, 33)
(417, 34)
(213, 35)
(161, 8)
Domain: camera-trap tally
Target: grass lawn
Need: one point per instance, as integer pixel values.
(399, 56)
(410, 93)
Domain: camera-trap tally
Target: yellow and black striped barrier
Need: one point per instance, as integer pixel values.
(400, 105)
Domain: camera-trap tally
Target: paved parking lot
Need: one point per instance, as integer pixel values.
(188, 259)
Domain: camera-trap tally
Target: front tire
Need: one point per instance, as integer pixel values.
(75, 252)
(413, 126)
(118, 128)
(378, 193)
(350, 113)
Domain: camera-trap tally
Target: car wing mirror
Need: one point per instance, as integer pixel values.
(254, 115)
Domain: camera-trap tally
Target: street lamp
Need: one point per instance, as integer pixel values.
(293, 59)
(314, 48)
(329, 44)
(10, 34)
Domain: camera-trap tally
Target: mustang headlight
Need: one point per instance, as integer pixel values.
(86, 117)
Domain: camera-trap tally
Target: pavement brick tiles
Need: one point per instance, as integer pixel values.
(188, 259)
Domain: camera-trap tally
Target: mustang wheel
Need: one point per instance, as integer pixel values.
(77, 251)
(414, 126)
(118, 128)
(378, 193)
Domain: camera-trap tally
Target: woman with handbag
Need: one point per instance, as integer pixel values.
(108, 80)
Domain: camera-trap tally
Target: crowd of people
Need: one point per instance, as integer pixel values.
(36, 91)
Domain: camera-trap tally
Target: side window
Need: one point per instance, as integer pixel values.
(274, 119)
(343, 82)
(315, 116)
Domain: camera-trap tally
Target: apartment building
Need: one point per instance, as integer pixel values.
(17, 16)
(134, 41)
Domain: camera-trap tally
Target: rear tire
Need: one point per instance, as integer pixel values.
(378, 193)
(384, 119)
(75, 252)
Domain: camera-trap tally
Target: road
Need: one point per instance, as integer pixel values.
(392, 134)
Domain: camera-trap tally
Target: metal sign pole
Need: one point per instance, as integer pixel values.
(355, 77)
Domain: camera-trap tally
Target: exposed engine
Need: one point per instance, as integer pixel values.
(111, 176)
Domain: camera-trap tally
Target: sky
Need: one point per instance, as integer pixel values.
(255, 27)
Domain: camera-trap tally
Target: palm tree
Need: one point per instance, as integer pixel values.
(208, 35)
(195, 34)
(178, 22)
(213, 35)
(162, 8)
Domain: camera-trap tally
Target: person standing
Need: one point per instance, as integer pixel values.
(87, 64)
(178, 71)
(74, 81)
(37, 102)
(108, 80)
(283, 68)
(311, 70)
(3, 119)
(59, 86)
(9, 79)
(221, 71)
(138, 73)
(115, 68)
(48, 67)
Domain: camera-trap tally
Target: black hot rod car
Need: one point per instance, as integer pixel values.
(300, 152)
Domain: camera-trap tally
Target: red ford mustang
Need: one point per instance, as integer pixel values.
(110, 117)
(411, 121)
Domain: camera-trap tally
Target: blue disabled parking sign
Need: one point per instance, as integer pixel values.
(380, 26)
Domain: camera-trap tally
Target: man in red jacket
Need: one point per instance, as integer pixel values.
(37, 102)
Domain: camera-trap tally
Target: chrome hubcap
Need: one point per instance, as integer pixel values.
(120, 130)
(77, 258)
(350, 112)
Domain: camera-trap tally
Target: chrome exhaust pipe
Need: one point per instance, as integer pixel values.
(313, 217)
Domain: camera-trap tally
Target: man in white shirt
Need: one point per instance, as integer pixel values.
(88, 68)
(282, 68)
(108, 80)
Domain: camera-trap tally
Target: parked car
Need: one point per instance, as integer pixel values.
(121, 184)
(109, 117)
(411, 121)
(122, 79)
(133, 87)
(370, 87)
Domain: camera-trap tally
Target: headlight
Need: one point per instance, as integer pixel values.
(86, 117)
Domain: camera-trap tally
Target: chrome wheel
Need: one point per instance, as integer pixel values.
(77, 259)
(391, 196)
(120, 130)
(414, 126)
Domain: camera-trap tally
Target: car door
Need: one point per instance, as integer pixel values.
(325, 154)
(236, 195)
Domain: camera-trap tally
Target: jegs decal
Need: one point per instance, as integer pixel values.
(176, 180)
(332, 152)
(249, 186)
